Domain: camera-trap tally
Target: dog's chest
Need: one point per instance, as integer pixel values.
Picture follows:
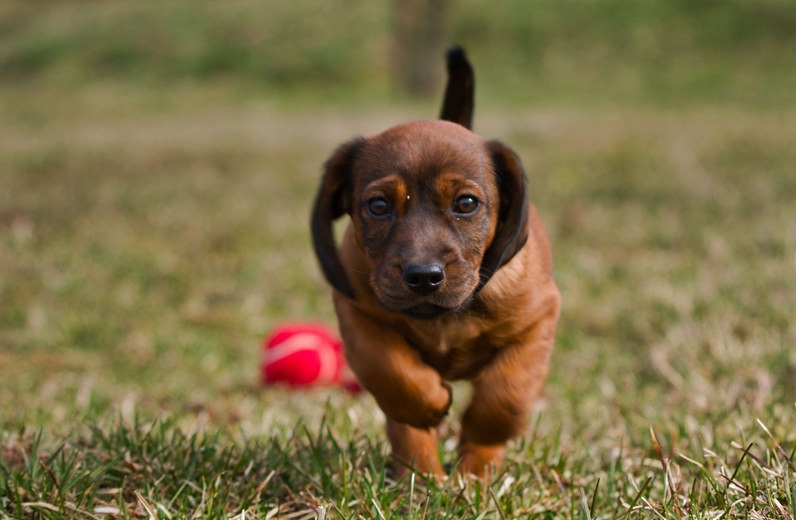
(456, 351)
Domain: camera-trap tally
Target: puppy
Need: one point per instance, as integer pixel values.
(444, 273)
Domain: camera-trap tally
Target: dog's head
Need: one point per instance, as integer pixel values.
(435, 208)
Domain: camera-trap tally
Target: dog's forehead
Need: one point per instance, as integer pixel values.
(423, 147)
(428, 128)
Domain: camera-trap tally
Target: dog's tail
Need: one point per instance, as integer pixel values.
(457, 106)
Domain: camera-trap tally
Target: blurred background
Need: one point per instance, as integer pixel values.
(537, 52)
(158, 160)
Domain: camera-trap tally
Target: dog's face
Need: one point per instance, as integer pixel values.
(424, 209)
(435, 208)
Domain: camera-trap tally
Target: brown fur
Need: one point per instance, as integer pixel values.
(490, 317)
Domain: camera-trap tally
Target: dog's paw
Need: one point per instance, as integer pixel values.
(435, 406)
(480, 461)
(424, 407)
(440, 402)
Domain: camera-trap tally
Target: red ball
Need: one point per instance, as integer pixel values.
(303, 354)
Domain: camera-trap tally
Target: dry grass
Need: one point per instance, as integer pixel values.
(144, 256)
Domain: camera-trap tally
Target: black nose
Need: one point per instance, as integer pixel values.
(424, 278)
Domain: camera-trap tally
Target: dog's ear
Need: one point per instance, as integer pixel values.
(512, 227)
(457, 106)
(333, 201)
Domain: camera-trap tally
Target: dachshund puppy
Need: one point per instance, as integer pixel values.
(444, 273)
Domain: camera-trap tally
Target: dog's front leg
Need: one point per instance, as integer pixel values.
(503, 395)
(414, 449)
(411, 394)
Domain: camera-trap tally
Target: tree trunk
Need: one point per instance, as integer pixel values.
(419, 34)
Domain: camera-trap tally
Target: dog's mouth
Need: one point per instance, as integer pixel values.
(425, 311)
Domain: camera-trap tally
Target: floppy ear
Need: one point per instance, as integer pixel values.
(457, 106)
(333, 201)
(512, 226)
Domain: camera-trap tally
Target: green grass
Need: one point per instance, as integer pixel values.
(154, 197)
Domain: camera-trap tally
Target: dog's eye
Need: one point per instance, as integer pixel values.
(465, 205)
(378, 207)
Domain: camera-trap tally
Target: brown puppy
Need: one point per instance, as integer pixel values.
(444, 273)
